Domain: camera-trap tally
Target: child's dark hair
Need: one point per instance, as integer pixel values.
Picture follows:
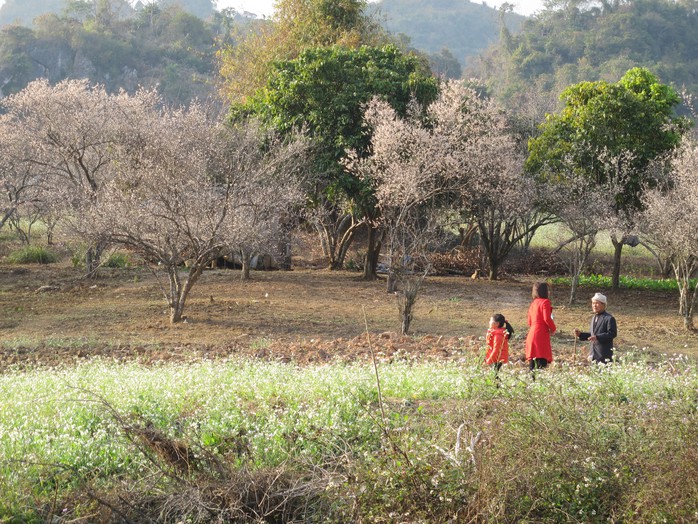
(540, 290)
(499, 319)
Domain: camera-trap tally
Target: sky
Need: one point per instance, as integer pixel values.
(266, 7)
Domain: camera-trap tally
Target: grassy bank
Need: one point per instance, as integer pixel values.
(245, 440)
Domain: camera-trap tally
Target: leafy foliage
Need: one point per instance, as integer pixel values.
(626, 282)
(298, 25)
(634, 115)
(575, 41)
(325, 89)
(32, 255)
(111, 44)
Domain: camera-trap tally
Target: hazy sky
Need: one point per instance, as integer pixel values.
(265, 7)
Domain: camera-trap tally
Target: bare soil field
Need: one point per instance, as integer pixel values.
(50, 315)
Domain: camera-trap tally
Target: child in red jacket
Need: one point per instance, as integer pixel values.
(498, 341)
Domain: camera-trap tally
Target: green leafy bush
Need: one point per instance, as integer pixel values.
(118, 260)
(33, 255)
(626, 282)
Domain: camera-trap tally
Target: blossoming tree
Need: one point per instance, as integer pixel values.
(669, 220)
(187, 189)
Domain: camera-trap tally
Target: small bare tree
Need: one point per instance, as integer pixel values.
(584, 211)
(20, 183)
(669, 221)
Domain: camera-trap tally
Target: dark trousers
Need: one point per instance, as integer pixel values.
(537, 363)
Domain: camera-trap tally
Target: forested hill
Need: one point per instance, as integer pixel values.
(119, 46)
(24, 11)
(588, 41)
(123, 44)
(463, 28)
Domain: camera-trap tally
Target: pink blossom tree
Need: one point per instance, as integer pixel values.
(187, 189)
(67, 133)
(455, 158)
(461, 149)
(669, 221)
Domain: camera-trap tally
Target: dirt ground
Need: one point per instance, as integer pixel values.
(51, 314)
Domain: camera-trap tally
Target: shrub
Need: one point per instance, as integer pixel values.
(33, 255)
(601, 281)
(118, 260)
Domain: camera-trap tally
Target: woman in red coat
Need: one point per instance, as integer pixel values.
(540, 319)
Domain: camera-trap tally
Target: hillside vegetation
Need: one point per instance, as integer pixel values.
(585, 41)
(171, 46)
(117, 46)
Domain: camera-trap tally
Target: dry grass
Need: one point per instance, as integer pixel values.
(50, 313)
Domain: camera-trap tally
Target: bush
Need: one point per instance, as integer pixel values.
(33, 255)
(600, 281)
(118, 260)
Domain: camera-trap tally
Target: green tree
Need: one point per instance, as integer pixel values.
(630, 122)
(325, 90)
(297, 25)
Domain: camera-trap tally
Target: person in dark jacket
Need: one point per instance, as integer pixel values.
(602, 332)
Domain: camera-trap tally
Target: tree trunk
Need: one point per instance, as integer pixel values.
(93, 258)
(493, 272)
(683, 269)
(336, 241)
(573, 290)
(391, 282)
(245, 260)
(344, 245)
(284, 249)
(617, 252)
(176, 299)
(180, 291)
(373, 250)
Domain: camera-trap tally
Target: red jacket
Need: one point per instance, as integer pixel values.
(540, 318)
(497, 346)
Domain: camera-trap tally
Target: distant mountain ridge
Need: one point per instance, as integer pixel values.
(464, 28)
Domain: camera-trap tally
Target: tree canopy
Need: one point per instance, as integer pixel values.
(297, 25)
(607, 135)
(635, 115)
(325, 90)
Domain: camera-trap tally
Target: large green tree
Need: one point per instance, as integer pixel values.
(297, 25)
(325, 90)
(610, 133)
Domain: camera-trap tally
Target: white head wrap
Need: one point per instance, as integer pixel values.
(598, 297)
